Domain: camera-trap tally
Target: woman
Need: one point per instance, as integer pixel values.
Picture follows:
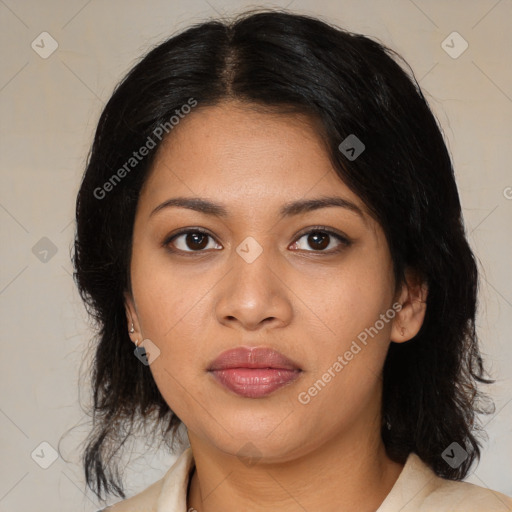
(270, 237)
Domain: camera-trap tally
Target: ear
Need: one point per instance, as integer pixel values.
(132, 318)
(413, 298)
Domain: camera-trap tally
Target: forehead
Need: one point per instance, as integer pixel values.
(245, 157)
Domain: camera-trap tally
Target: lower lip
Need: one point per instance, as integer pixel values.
(254, 382)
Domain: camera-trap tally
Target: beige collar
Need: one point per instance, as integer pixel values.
(417, 489)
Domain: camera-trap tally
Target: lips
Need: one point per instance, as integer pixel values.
(259, 357)
(253, 372)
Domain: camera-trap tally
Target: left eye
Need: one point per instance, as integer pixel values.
(319, 240)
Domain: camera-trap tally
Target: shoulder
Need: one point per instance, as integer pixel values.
(464, 497)
(169, 492)
(419, 489)
(145, 501)
(470, 497)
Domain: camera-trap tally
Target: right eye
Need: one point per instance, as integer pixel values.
(188, 241)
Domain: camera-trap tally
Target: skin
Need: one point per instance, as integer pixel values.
(309, 305)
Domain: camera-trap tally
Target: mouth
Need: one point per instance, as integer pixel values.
(253, 372)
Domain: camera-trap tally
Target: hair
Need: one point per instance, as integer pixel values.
(278, 61)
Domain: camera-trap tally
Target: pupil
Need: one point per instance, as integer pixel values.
(194, 237)
(313, 239)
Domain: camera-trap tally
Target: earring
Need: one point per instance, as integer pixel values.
(387, 422)
(132, 330)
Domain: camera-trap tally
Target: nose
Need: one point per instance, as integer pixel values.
(254, 293)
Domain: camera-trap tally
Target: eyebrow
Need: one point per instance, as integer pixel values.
(287, 210)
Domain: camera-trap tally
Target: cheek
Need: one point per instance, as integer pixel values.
(165, 297)
(350, 300)
(349, 352)
(169, 316)
(168, 308)
(352, 339)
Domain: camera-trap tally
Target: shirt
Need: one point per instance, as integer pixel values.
(417, 489)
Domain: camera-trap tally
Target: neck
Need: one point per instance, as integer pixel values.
(349, 472)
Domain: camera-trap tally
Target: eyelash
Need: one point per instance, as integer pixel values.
(345, 242)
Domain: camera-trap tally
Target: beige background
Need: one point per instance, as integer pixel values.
(48, 111)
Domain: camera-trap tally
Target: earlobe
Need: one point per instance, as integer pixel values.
(413, 299)
(131, 317)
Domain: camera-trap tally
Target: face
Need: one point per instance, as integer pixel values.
(306, 284)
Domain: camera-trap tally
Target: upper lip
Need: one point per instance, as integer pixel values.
(255, 357)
